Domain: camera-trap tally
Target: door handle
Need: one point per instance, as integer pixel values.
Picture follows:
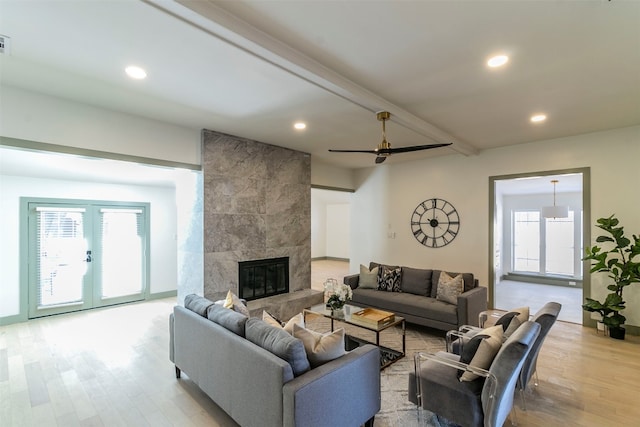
(88, 256)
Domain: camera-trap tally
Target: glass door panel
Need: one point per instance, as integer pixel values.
(59, 268)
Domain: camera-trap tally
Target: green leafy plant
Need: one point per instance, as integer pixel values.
(618, 262)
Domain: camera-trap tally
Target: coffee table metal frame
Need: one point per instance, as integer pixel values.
(322, 310)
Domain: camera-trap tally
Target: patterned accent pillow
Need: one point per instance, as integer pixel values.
(389, 279)
(449, 288)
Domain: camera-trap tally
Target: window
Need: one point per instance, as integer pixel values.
(526, 241)
(543, 246)
(559, 246)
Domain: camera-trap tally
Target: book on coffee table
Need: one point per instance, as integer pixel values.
(373, 317)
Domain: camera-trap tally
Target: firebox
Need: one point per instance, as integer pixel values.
(263, 278)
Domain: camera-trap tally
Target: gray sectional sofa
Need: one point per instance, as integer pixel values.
(233, 359)
(417, 301)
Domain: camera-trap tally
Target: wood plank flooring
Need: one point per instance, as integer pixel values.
(110, 367)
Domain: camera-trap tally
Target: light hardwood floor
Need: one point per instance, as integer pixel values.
(110, 367)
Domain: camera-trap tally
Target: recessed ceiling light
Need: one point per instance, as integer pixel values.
(135, 72)
(300, 125)
(538, 118)
(497, 61)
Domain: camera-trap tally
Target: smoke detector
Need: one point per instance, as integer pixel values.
(5, 45)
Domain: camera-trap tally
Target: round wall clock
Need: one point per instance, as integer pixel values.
(435, 223)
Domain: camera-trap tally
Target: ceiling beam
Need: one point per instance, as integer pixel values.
(209, 17)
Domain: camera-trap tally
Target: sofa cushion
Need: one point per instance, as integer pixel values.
(449, 288)
(467, 278)
(228, 319)
(416, 281)
(197, 304)
(278, 342)
(389, 279)
(233, 302)
(480, 351)
(373, 265)
(320, 348)
(405, 303)
(298, 319)
(368, 278)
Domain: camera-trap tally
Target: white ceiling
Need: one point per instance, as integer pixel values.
(252, 68)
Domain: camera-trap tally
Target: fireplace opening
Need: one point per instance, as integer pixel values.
(263, 278)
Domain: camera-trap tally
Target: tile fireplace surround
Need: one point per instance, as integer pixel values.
(257, 205)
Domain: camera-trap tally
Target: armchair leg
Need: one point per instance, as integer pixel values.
(369, 422)
(513, 416)
(535, 381)
(177, 372)
(524, 403)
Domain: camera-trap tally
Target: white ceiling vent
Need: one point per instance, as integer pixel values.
(5, 45)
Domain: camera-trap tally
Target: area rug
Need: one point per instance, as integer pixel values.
(396, 410)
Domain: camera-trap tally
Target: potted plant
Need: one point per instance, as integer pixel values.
(618, 263)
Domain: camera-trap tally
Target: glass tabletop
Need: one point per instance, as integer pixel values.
(346, 315)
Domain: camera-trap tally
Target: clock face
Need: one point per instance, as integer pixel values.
(435, 223)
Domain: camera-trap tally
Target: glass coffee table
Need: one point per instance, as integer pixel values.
(387, 355)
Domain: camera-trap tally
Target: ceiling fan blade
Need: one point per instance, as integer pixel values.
(380, 159)
(354, 151)
(414, 148)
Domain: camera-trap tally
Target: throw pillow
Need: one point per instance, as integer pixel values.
(449, 288)
(279, 343)
(416, 281)
(320, 348)
(298, 319)
(389, 279)
(480, 351)
(233, 302)
(368, 278)
(228, 319)
(197, 304)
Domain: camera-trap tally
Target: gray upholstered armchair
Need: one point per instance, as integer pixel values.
(484, 402)
(546, 317)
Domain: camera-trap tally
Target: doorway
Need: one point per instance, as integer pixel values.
(84, 254)
(537, 257)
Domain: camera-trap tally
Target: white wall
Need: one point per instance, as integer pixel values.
(37, 117)
(163, 251)
(338, 228)
(318, 227)
(386, 196)
(323, 174)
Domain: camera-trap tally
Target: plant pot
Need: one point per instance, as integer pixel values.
(617, 333)
(602, 328)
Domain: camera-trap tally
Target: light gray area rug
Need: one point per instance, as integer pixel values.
(396, 410)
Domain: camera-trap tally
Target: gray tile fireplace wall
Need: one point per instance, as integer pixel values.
(257, 205)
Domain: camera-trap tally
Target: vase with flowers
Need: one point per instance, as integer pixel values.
(338, 295)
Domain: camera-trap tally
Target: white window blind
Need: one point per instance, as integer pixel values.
(122, 252)
(61, 253)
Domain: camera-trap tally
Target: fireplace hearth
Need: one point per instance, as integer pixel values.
(263, 278)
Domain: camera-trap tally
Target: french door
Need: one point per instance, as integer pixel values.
(85, 255)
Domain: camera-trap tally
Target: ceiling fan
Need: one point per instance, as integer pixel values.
(384, 150)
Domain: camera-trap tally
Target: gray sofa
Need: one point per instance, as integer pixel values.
(417, 301)
(257, 388)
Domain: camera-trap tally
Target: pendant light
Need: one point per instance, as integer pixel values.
(555, 211)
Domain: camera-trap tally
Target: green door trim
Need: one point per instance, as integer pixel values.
(25, 256)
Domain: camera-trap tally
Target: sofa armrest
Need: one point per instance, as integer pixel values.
(352, 280)
(349, 386)
(470, 304)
